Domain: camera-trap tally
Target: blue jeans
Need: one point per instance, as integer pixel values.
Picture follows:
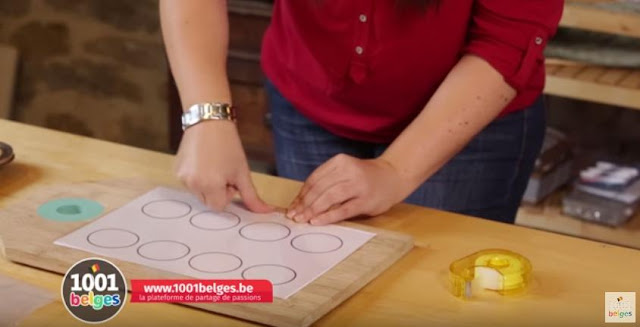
(486, 179)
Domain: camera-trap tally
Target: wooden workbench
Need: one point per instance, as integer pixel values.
(570, 275)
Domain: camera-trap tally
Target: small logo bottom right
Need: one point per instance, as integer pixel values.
(620, 307)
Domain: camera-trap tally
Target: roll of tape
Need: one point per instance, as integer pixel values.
(499, 270)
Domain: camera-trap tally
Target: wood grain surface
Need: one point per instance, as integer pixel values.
(570, 275)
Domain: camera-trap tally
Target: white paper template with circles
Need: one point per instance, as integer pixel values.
(113, 238)
(276, 274)
(316, 243)
(215, 262)
(215, 221)
(170, 230)
(265, 231)
(163, 250)
(166, 209)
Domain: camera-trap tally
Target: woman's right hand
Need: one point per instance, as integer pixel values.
(212, 165)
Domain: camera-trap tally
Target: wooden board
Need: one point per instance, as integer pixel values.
(29, 240)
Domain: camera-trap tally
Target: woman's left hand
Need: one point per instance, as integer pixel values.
(346, 187)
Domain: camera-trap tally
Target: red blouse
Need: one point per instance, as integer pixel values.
(363, 69)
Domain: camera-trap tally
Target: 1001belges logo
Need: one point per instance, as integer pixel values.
(94, 290)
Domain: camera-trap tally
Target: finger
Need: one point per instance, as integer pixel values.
(328, 181)
(318, 174)
(335, 195)
(195, 186)
(347, 210)
(294, 202)
(231, 192)
(334, 165)
(215, 197)
(289, 212)
(249, 195)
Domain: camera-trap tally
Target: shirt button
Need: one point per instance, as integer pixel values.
(359, 50)
(538, 40)
(363, 18)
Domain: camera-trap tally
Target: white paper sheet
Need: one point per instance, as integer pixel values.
(18, 300)
(171, 230)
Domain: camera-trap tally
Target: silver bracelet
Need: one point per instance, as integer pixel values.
(207, 111)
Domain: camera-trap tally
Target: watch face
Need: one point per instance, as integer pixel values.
(189, 118)
(6, 154)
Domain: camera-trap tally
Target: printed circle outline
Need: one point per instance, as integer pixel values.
(167, 241)
(216, 272)
(216, 229)
(113, 247)
(265, 222)
(317, 252)
(169, 200)
(295, 274)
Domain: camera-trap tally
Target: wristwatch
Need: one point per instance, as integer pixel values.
(207, 111)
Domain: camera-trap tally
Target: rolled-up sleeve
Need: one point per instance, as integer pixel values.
(511, 35)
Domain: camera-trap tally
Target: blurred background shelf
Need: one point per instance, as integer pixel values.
(613, 86)
(548, 216)
(609, 16)
(598, 84)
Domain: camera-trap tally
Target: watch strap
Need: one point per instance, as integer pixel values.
(207, 111)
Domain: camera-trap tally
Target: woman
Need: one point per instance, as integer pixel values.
(373, 102)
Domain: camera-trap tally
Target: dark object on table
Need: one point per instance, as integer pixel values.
(605, 193)
(597, 209)
(542, 185)
(609, 177)
(6, 154)
(552, 168)
(629, 195)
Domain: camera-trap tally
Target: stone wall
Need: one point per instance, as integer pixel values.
(90, 67)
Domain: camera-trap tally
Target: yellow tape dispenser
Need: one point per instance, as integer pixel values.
(503, 271)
